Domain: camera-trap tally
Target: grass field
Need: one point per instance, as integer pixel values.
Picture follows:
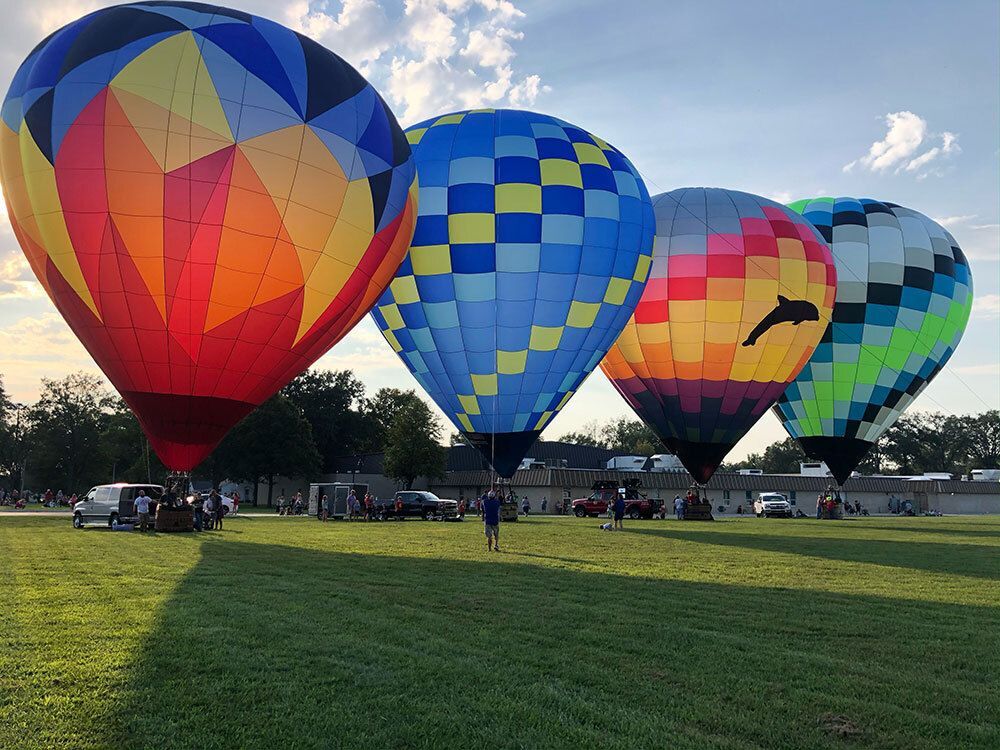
(287, 633)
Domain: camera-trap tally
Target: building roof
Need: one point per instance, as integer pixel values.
(721, 481)
(467, 458)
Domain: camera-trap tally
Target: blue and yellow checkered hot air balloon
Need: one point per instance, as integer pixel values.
(532, 247)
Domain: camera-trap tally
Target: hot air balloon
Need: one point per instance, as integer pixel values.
(740, 291)
(532, 246)
(211, 201)
(904, 294)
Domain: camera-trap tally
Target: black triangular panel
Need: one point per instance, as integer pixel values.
(113, 29)
(39, 122)
(380, 184)
(331, 80)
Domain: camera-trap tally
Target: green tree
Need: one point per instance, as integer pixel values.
(275, 440)
(778, 458)
(331, 402)
(413, 443)
(622, 434)
(929, 441)
(67, 423)
(11, 455)
(984, 442)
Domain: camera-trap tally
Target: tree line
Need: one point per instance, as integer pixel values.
(79, 433)
(917, 443)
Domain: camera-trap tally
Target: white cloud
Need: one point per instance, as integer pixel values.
(981, 242)
(39, 346)
(987, 369)
(906, 134)
(986, 306)
(950, 221)
(16, 279)
(430, 57)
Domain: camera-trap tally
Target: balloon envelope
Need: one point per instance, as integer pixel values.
(740, 291)
(532, 246)
(904, 295)
(210, 200)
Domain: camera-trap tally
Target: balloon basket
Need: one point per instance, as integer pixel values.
(174, 519)
(698, 512)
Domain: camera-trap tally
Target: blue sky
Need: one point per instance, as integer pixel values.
(772, 98)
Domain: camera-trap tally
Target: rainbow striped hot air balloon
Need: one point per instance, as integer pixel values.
(210, 200)
(740, 292)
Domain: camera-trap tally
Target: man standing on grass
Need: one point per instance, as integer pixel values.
(491, 521)
(141, 506)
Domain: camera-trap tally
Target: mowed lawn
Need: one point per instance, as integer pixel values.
(285, 633)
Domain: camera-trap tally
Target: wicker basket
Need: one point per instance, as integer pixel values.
(174, 519)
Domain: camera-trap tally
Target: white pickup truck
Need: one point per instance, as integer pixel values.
(772, 504)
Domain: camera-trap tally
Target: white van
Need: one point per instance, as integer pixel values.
(108, 504)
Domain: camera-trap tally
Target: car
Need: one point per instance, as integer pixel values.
(772, 505)
(417, 504)
(111, 504)
(637, 505)
(227, 502)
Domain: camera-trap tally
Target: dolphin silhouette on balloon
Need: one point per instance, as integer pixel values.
(708, 351)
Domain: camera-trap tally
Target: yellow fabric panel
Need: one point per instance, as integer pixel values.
(392, 316)
(642, 268)
(149, 120)
(429, 260)
(414, 136)
(725, 311)
(484, 385)
(187, 142)
(686, 311)
(588, 153)
(172, 74)
(19, 203)
(653, 333)
(542, 420)
(617, 290)
(561, 172)
(582, 314)
(469, 403)
(393, 341)
(349, 240)
(471, 228)
(516, 197)
(545, 338)
(466, 422)
(404, 290)
(453, 119)
(40, 181)
(511, 363)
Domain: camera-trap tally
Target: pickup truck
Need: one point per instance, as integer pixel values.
(637, 505)
(417, 504)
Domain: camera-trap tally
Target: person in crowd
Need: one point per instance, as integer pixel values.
(398, 507)
(140, 507)
(369, 507)
(739, 509)
(324, 509)
(297, 505)
(857, 507)
(545, 504)
(461, 507)
(280, 503)
(48, 496)
(236, 501)
(619, 510)
(491, 521)
(218, 507)
(819, 506)
(679, 507)
(526, 506)
(352, 502)
(198, 504)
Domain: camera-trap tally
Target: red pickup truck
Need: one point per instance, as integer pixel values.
(637, 505)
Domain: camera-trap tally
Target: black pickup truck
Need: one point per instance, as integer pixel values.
(417, 504)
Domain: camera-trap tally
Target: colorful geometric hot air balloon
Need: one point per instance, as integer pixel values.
(904, 294)
(532, 247)
(739, 294)
(210, 199)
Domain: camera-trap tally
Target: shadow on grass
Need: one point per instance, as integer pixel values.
(959, 530)
(275, 647)
(960, 559)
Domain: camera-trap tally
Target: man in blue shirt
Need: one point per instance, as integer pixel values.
(491, 520)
